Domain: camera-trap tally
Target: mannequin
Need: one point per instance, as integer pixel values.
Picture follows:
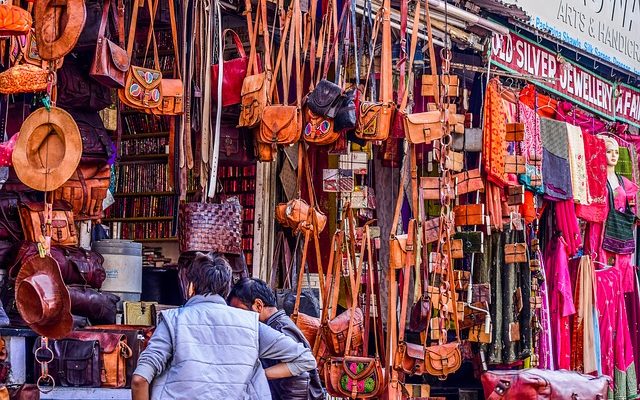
(613, 153)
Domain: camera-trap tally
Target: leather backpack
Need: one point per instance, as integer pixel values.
(86, 190)
(63, 229)
(77, 90)
(114, 353)
(97, 146)
(76, 363)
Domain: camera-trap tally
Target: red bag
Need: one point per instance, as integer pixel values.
(234, 72)
(543, 385)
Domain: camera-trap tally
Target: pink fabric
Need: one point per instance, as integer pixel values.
(545, 354)
(561, 305)
(6, 150)
(567, 223)
(567, 112)
(615, 340)
(594, 235)
(532, 144)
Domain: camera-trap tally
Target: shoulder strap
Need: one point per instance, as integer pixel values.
(252, 30)
(105, 16)
(174, 38)
(386, 90)
(412, 54)
(132, 27)
(274, 81)
(432, 52)
(354, 291)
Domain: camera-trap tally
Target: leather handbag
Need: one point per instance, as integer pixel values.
(97, 146)
(424, 127)
(77, 265)
(114, 352)
(172, 89)
(256, 85)
(86, 190)
(211, 227)
(543, 385)
(234, 72)
(14, 21)
(23, 78)
(98, 307)
(346, 375)
(281, 124)
(295, 215)
(77, 90)
(319, 129)
(111, 61)
(142, 90)
(76, 363)
(63, 230)
(325, 99)
(401, 247)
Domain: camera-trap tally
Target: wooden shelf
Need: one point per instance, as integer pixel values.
(145, 135)
(156, 240)
(137, 219)
(142, 157)
(142, 194)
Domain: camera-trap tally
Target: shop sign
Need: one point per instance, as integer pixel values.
(518, 54)
(628, 104)
(607, 29)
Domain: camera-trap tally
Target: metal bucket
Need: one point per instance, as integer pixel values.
(123, 265)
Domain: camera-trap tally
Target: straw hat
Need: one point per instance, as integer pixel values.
(42, 298)
(57, 28)
(48, 149)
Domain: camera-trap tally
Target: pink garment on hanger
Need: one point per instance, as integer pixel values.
(561, 305)
(595, 233)
(567, 223)
(567, 112)
(532, 144)
(595, 151)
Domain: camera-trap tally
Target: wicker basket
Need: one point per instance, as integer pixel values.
(211, 227)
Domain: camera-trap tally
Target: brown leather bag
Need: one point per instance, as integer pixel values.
(76, 363)
(256, 85)
(114, 352)
(543, 385)
(295, 215)
(86, 190)
(111, 61)
(63, 229)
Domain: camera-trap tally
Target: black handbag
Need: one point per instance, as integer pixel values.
(97, 146)
(345, 118)
(77, 90)
(325, 99)
(76, 363)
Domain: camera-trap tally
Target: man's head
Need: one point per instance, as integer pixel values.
(209, 274)
(253, 294)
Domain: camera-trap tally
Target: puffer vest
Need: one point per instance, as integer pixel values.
(215, 353)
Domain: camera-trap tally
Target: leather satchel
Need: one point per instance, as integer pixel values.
(470, 141)
(76, 363)
(424, 127)
(97, 146)
(234, 72)
(401, 247)
(281, 124)
(111, 61)
(76, 89)
(325, 99)
(86, 190)
(98, 307)
(114, 352)
(319, 129)
(10, 228)
(336, 330)
(77, 265)
(295, 215)
(438, 360)
(211, 227)
(543, 385)
(374, 120)
(63, 229)
(354, 377)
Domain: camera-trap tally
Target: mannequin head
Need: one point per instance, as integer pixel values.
(613, 150)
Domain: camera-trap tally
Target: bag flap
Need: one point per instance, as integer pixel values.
(365, 365)
(415, 351)
(429, 117)
(253, 83)
(402, 241)
(172, 88)
(277, 118)
(59, 223)
(449, 351)
(108, 341)
(147, 78)
(33, 206)
(341, 322)
(324, 95)
(75, 349)
(119, 56)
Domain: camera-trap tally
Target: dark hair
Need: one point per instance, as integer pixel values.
(247, 290)
(210, 274)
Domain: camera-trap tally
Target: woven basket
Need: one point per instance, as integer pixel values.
(211, 227)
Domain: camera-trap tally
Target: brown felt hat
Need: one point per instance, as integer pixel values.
(48, 149)
(42, 298)
(58, 26)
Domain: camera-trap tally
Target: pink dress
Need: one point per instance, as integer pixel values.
(561, 307)
(595, 233)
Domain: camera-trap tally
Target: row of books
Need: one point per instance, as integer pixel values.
(146, 230)
(228, 172)
(144, 123)
(137, 178)
(239, 185)
(144, 146)
(143, 206)
(153, 257)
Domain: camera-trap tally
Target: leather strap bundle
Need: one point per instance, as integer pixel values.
(353, 376)
(374, 120)
(111, 61)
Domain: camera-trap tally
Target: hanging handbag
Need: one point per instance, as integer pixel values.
(114, 352)
(256, 85)
(142, 90)
(234, 72)
(97, 146)
(14, 21)
(98, 307)
(86, 190)
(619, 227)
(63, 230)
(76, 89)
(211, 227)
(111, 61)
(351, 376)
(23, 78)
(172, 89)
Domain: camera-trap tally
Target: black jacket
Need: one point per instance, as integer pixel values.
(303, 387)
